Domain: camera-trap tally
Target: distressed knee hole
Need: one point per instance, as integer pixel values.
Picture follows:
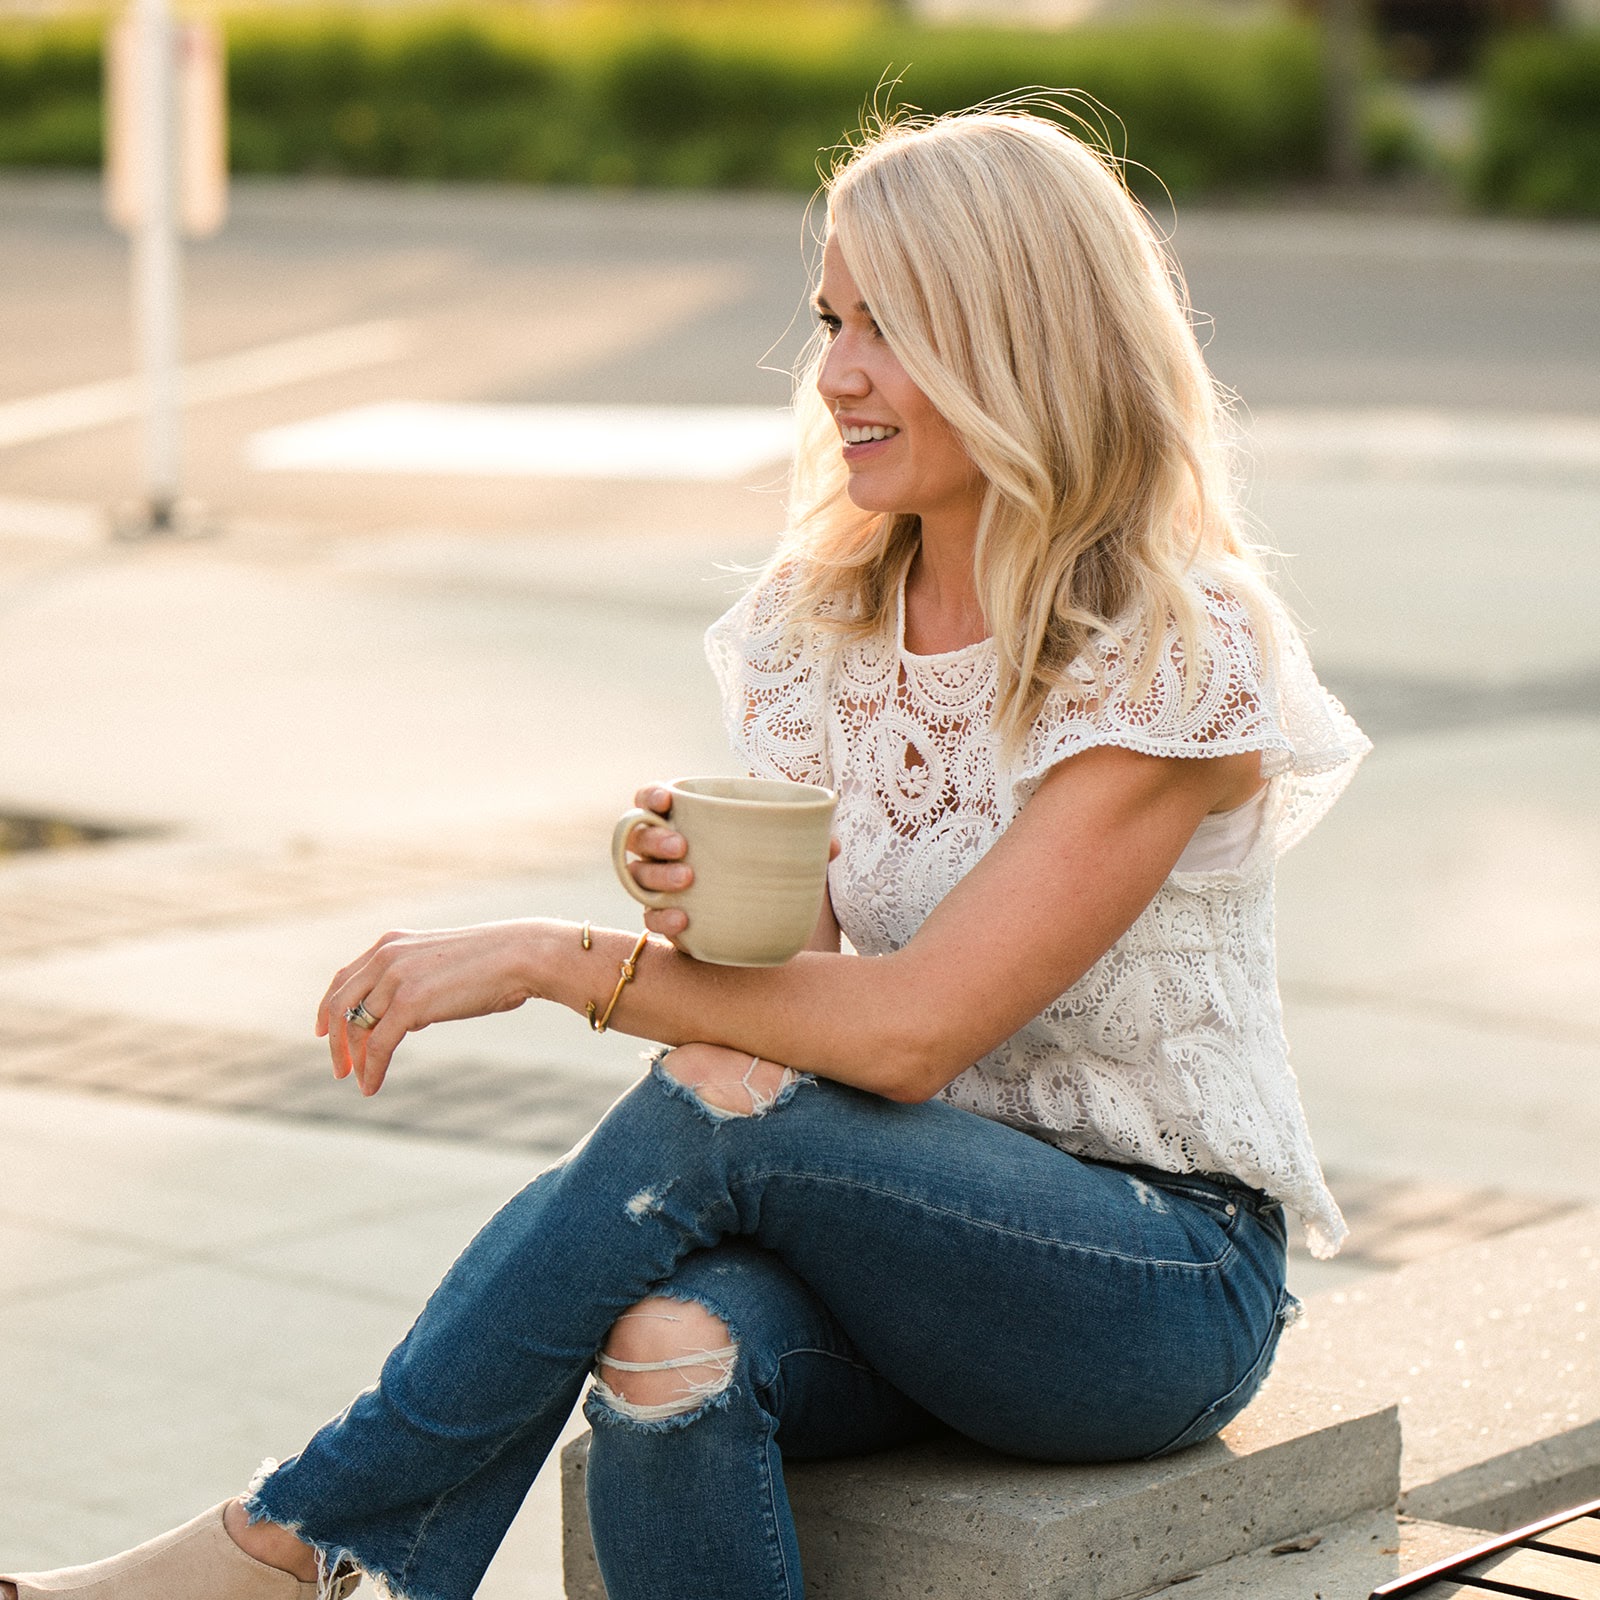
(728, 1083)
(664, 1358)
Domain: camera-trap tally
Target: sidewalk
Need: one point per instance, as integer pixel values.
(190, 1288)
(205, 1247)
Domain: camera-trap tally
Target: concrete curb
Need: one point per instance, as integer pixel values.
(955, 1520)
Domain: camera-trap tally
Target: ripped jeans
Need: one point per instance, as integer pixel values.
(883, 1271)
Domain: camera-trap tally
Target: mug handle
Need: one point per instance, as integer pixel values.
(626, 823)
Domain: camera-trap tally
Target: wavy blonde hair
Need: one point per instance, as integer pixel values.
(1029, 296)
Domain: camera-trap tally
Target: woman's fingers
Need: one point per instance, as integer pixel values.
(327, 1008)
(409, 981)
(669, 923)
(655, 797)
(367, 1050)
(352, 985)
(657, 844)
(666, 877)
(344, 1038)
(377, 1050)
(660, 866)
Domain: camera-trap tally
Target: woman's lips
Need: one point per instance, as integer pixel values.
(863, 449)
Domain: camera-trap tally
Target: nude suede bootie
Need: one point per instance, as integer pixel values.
(195, 1562)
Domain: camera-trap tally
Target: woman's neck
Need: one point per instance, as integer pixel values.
(942, 608)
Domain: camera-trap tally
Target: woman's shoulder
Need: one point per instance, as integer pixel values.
(1205, 674)
(1231, 677)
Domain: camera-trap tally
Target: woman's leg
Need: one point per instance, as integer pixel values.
(731, 1365)
(1041, 1304)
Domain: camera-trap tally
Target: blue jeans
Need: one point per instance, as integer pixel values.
(884, 1270)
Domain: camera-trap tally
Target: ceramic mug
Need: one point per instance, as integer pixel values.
(759, 849)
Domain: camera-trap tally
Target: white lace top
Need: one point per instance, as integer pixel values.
(1169, 1051)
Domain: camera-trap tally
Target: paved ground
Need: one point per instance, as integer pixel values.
(385, 700)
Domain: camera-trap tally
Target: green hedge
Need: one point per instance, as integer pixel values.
(1539, 137)
(738, 98)
(50, 94)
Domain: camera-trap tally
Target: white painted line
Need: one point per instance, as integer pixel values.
(269, 366)
(1420, 436)
(721, 443)
(705, 443)
(70, 521)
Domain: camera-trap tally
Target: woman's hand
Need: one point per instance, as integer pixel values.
(661, 865)
(409, 981)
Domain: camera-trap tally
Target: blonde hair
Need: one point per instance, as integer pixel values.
(1031, 300)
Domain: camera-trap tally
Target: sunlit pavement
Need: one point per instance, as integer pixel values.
(378, 698)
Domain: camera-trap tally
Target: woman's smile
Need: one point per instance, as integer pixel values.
(865, 441)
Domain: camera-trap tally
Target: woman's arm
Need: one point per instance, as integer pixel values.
(1056, 891)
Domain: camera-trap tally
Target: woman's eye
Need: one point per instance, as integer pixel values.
(829, 325)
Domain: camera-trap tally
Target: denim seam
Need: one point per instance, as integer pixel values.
(438, 1504)
(1069, 1246)
(774, 1542)
(1259, 1369)
(760, 1385)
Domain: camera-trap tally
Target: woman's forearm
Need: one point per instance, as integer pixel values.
(1054, 892)
(850, 1018)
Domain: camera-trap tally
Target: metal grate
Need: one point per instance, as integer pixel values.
(1557, 1558)
(21, 831)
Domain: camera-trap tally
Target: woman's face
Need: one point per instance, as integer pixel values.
(901, 454)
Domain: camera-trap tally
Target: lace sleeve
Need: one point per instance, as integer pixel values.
(774, 689)
(1246, 701)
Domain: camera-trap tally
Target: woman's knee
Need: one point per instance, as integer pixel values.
(664, 1358)
(729, 1083)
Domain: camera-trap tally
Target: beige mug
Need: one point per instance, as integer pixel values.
(759, 850)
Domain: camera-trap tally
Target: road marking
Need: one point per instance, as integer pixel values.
(720, 443)
(716, 443)
(71, 521)
(1426, 436)
(268, 366)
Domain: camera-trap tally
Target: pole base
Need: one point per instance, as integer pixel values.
(161, 518)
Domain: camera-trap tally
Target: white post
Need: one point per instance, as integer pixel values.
(156, 286)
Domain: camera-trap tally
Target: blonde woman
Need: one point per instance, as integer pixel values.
(1014, 1162)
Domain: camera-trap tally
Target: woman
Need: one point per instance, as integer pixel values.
(1014, 624)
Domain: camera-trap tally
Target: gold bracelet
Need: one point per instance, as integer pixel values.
(628, 966)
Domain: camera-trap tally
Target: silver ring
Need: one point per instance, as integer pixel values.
(358, 1016)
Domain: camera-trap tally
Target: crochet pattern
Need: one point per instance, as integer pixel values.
(1169, 1051)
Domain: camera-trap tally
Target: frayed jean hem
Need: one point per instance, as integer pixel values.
(336, 1563)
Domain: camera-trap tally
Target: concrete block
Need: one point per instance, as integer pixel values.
(1492, 1353)
(954, 1520)
(1345, 1561)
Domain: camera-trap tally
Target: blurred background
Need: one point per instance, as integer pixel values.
(483, 374)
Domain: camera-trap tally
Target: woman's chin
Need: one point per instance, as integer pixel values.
(863, 499)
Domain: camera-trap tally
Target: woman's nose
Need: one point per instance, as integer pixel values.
(839, 377)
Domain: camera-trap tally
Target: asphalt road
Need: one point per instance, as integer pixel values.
(504, 295)
(519, 651)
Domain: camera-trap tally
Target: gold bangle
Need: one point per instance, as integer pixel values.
(598, 1023)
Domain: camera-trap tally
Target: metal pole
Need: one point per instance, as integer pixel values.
(156, 285)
